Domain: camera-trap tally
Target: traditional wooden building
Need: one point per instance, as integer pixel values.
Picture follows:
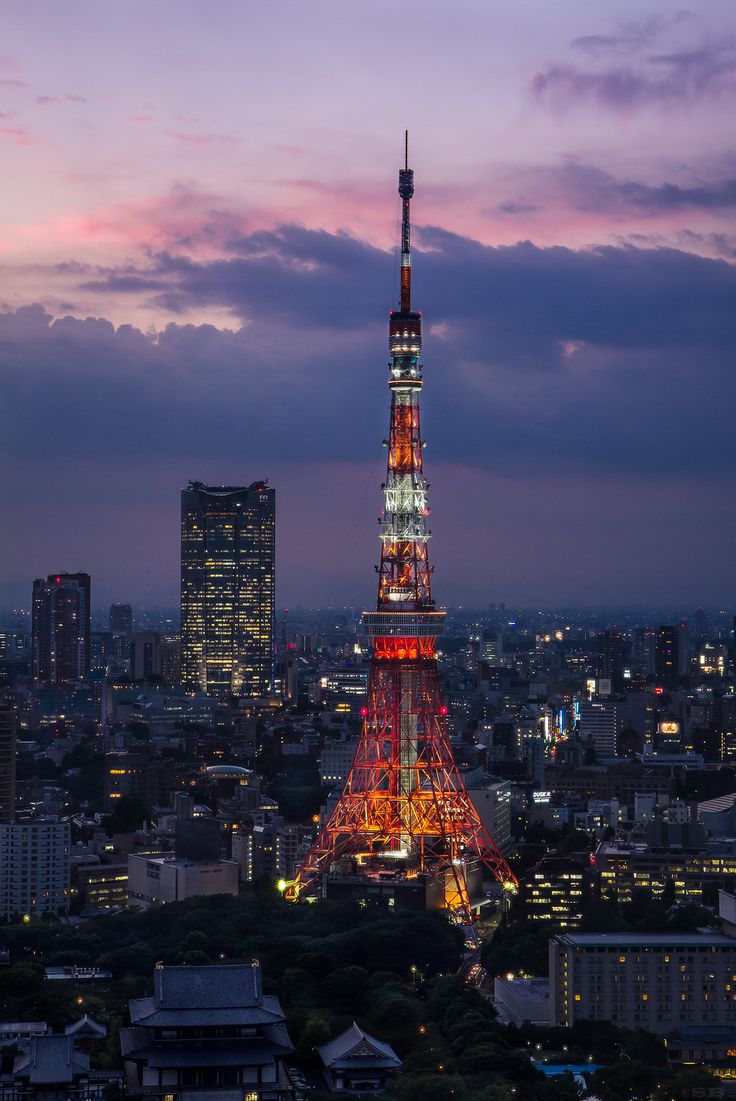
(207, 1032)
(358, 1063)
(52, 1068)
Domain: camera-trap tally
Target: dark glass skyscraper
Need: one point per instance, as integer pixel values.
(121, 619)
(227, 588)
(61, 628)
(672, 655)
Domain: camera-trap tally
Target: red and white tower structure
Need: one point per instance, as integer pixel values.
(404, 805)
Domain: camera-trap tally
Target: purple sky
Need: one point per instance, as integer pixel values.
(197, 248)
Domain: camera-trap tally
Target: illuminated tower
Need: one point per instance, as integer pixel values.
(404, 804)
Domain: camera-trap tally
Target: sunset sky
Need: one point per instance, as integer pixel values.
(198, 256)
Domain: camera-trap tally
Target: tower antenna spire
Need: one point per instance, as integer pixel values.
(406, 190)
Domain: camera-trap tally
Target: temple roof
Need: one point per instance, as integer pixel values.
(212, 987)
(51, 1059)
(354, 1048)
(224, 994)
(86, 1026)
(137, 1044)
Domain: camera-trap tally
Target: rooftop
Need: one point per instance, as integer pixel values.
(51, 1059)
(645, 940)
(219, 994)
(353, 1047)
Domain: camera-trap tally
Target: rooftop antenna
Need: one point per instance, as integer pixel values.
(406, 190)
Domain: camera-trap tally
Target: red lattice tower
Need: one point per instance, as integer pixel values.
(404, 803)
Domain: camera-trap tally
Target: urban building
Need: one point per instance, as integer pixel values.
(8, 726)
(349, 680)
(194, 868)
(599, 723)
(170, 659)
(267, 848)
(672, 654)
(157, 879)
(138, 777)
(61, 628)
(34, 868)
(336, 758)
(207, 1032)
(714, 1047)
(656, 981)
(610, 659)
(102, 886)
(490, 649)
(558, 889)
(120, 620)
(622, 781)
(228, 589)
(145, 655)
(696, 869)
(493, 804)
(517, 1000)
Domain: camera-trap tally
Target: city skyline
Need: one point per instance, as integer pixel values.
(234, 246)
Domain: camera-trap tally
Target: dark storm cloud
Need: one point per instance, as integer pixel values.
(537, 358)
(667, 78)
(588, 188)
(291, 273)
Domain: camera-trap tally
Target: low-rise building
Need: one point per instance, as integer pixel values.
(102, 886)
(167, 877)
(558, 889)
(656, 981)
(518, 1000)
(696, 871)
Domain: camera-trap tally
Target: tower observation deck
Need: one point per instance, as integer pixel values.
(404, 805)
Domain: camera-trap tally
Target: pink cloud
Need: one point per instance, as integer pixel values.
(199, 140)
(13, 84)
(141, 118)
(182, 218)
(17, 134)
(292, 150)
(44, 101)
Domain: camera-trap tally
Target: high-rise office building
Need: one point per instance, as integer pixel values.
(61, 628)
(145, 655)
(491, 647)
(610, 657)
(601, 722)
(121, 619)
(7, 762)
(227, 588)
(672, 655)
(170, 659)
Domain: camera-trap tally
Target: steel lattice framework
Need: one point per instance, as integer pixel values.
(404, 804)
